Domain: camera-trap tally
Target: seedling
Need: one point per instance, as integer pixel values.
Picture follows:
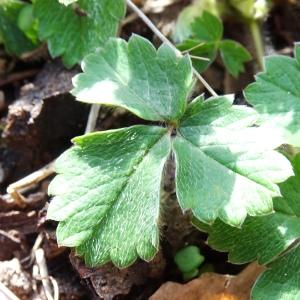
(188, 261)
(206, 41)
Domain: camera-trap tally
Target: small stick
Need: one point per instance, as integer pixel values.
(6, 293)
(192, 48)
(55, 288)
(18, 76)
(41, 262)
(15, 189)
(25, 183)
(157, 32)
(92, 120)
(199, 57)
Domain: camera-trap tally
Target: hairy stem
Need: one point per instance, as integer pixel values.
(258, 41)
(165, 40)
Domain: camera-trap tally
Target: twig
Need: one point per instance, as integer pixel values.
(158, 33)
(6, 293)
(199, 57)
(43, 271)
(55, 288)
(255, 30)
(18, 76)
(92, 120)
(16, 189)
(192, 48)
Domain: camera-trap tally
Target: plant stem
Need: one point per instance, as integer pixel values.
(93, 115)
(258, 42)
(158, 33)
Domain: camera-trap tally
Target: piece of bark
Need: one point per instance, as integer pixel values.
(212, 286)
(108, 281)
(41, 123)
(12, 244)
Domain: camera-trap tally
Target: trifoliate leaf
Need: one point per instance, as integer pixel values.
(276, 96)
(107, 194)
(202, 54)
(15, 40)
(225, 168)
(79, 29)
(261, 238)
(234, 55)
(207, 33)
(282, 280)
(153, 84)
(207, 28)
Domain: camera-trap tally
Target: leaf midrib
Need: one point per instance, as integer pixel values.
(133, 170)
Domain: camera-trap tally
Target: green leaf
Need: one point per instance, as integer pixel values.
(260, 238)
(234, 55)
(276, 96)
(79, 29)
(207, 28)
(183, 29)
(15, 41)
(188, 259)
(282, 280)
(107, 194)
(225, 168)
(153, 84)
(297, 52)
(200, 50)
(28, 23)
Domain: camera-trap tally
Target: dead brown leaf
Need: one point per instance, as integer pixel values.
(212, 286)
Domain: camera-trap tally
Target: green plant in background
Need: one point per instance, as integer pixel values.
(78, 29)
(183, 30)
(252, 13)
(28, 23)
(188, 261)
(15, 40)
(206, 41)
(71, 31)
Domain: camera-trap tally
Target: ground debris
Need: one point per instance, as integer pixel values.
(109, 282)
(14, 278)
(41, 123)
(212, 286)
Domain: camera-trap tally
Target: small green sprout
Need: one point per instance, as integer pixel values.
(188, 261)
